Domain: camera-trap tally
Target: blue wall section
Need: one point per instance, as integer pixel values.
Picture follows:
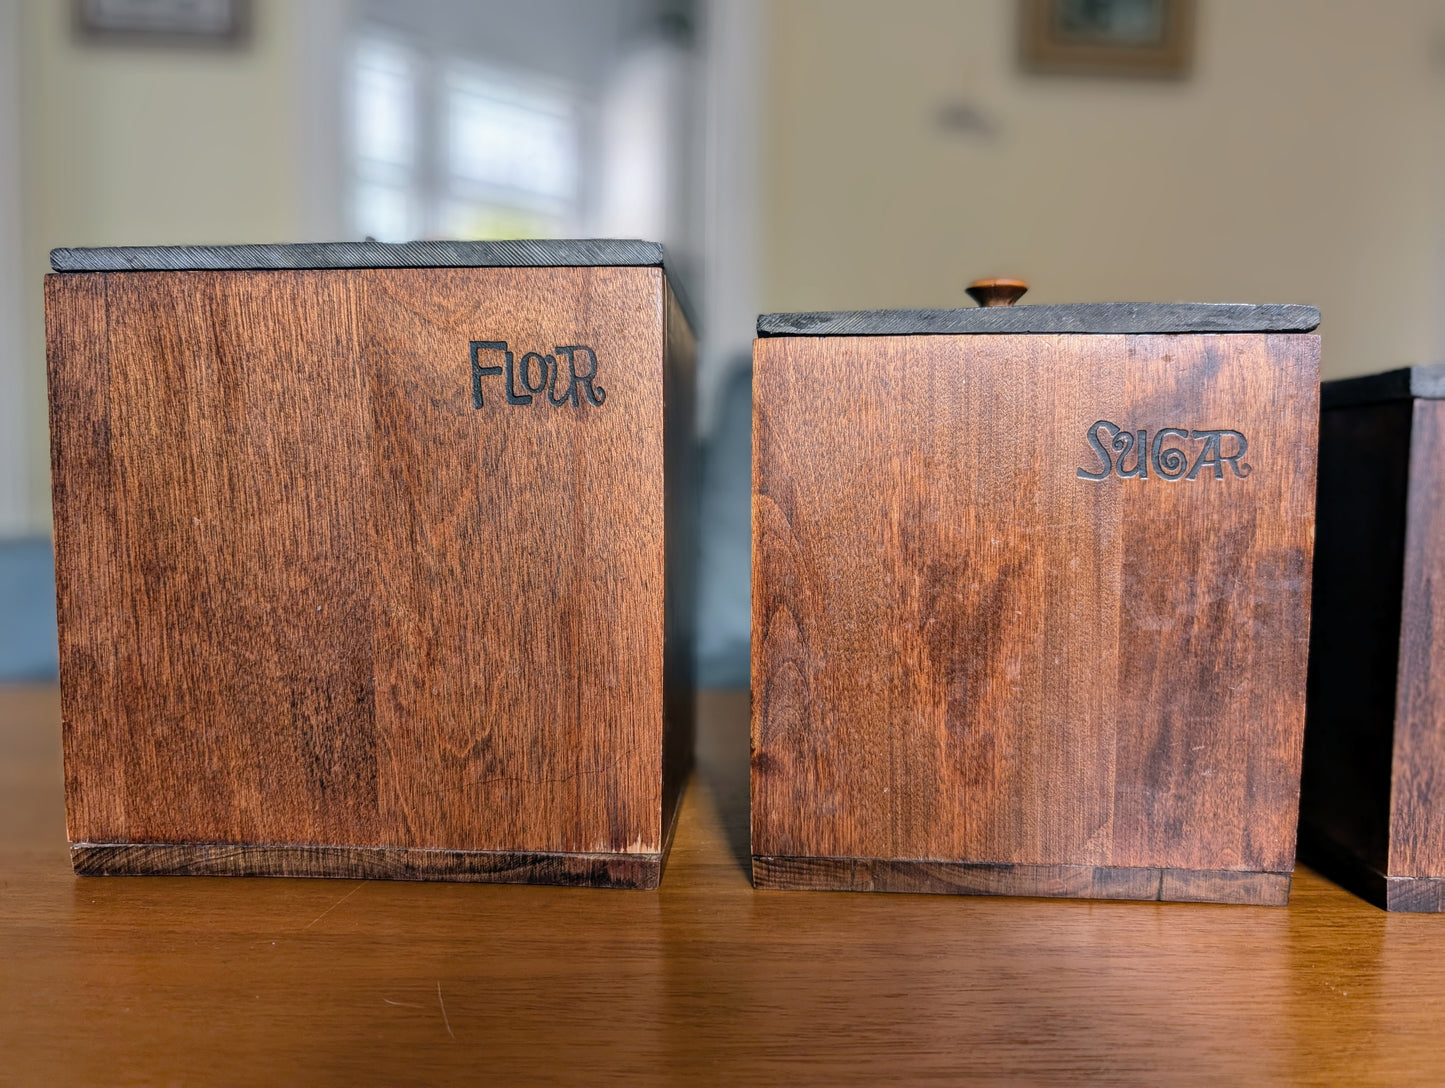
(27, 610)
(725, 594)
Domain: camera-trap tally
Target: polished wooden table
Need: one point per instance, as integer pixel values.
(216, 981)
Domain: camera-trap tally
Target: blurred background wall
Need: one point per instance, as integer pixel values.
(1302, 160)
(794, 154)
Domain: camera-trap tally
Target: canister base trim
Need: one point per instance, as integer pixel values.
(997, 878)
(366, 862)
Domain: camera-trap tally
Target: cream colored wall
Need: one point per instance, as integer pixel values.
(1301, 163)
(142, 146)
(15, 508)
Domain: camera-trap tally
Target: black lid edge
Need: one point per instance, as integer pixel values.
(1098, 318)
(1407, 383)
(320, 256)
(510, 253)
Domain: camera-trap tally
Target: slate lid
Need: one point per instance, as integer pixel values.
(518, 253)
(1104, 318)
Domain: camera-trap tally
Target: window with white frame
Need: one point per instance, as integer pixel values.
(451, 148)
(385, 191)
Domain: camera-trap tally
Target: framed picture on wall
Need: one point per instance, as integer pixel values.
(146, 22)
(1108, 37)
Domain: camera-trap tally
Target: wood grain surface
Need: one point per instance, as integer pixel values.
(311, 595)
(681, 513)
(965, 652)
(1417, 818)
(704, 981)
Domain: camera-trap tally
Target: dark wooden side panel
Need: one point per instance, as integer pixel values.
(1364, 467)
(366, 863)
(681, 491)
(1049, 881)
(519, 601)
(236, 705)
(1417, 825)
(1214, 628)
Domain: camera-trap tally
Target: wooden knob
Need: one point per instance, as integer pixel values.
(997, 291)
